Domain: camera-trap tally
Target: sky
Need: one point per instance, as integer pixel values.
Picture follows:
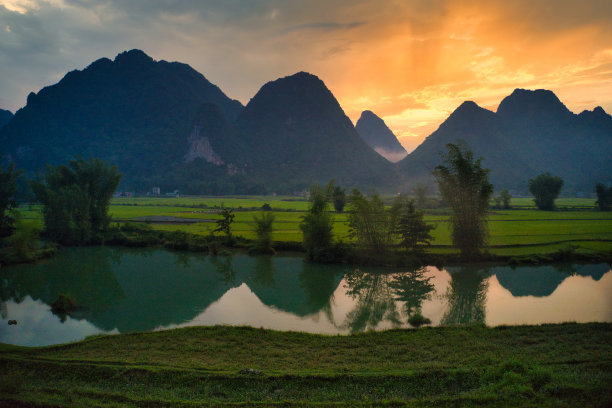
(411, 62)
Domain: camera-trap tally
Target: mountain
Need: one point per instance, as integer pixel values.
(134, 112)
(298, 134)
(532, 132)
(164, 124)
(552, 138)
(5, 117)
(379, 137)
(482, 130)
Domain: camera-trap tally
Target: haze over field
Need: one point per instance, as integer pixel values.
(410, 62)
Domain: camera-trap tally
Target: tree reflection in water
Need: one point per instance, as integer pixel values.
(412, 287)
(319, 283)
(223, 264)
(375, 301)
(264, 271)
(466, 295)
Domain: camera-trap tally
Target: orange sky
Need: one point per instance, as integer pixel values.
(412, 62)
(419, 65)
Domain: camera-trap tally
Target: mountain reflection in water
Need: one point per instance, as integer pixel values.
(124, 290)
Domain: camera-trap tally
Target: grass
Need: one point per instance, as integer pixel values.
(522, 230)
(550, 365)
(563, 365)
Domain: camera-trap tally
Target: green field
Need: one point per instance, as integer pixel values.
(522, 230)
(568, 365)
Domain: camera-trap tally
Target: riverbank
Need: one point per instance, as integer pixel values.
(518, 236)
(550, 365)
(143, 235)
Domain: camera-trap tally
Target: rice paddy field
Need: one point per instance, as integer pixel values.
(522, 230)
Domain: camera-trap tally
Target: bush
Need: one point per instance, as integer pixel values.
(263, 229)
(63, 306)
(317, 226)
(545, 189)
(76, 199)
(417, 320)
(8, 190)
(604, 197)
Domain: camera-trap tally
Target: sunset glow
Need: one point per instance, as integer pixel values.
(410, 62)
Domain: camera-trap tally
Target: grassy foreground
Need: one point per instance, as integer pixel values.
(550, 365)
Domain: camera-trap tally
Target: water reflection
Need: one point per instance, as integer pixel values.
(379, 296)
(124, 290)
(523, 281)
(375, 301)
(466, 296)
(413, 288)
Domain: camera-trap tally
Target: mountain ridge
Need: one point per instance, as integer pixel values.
(164, 124)
(531, 132)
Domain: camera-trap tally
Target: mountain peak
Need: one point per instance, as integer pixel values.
(134, 55)
(599, 111)
(286, 94)
(468, 106)
(299, 80)
(527, 104)
(368, 114)
(375, 133)
(468, 111)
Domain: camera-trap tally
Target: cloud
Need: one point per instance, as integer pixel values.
(323, 26)
(391, 155)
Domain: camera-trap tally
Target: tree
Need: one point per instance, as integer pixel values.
(409, 226)
(339, 198)
(375, 228)
(503, 199)
(465, 186)
(317, 225)
(545, 188)
(76, 199)
(604, 197)
(263, 229)
(370, 224)
(420, 193)
(225, 223)
(8, 190)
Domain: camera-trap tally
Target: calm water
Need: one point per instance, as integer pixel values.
(122, 290)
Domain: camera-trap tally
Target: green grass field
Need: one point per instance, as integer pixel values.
(568, 365)
(522, 230)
